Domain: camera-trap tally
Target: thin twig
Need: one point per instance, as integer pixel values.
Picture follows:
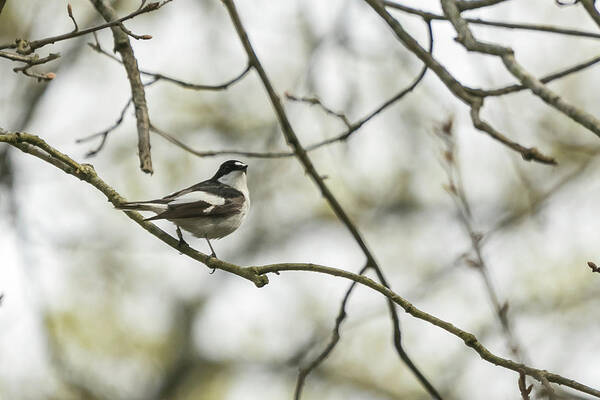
(30, 61)
(104, 134)
(357, 125)
(184, 84)
(316, 101)
(523, 389)
(70, 13)
(156, 77)
(27, 47)
(548, 78)
(528, 153)
(593, 267)
(456, 190)
(335, 338)
(212, 153)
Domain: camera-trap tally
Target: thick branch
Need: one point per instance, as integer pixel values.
(123, 46)
(590, 7)
(542, 91)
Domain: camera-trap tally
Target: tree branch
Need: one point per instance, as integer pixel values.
(123, 46)
(590, 7)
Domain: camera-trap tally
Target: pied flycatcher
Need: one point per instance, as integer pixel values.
(211, 209)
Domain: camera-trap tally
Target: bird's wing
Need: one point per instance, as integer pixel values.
(199, 204)
(199, 192)
(208, 186)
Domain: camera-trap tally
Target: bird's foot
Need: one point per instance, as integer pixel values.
(213, 255)
(182, 243)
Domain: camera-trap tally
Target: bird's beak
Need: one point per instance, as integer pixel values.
(245, 168)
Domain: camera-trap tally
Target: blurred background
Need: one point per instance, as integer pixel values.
(94, 307)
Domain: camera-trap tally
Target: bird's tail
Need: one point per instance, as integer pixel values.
(142, 206)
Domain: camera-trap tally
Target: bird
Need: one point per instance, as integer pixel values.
(211, 209)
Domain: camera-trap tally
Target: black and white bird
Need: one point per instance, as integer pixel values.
(211, 209)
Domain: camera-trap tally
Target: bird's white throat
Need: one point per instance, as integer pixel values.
(237, 180)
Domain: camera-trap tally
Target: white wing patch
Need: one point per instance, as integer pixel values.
(193, 197)
(208, 209)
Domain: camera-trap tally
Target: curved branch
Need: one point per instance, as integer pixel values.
(467, 337)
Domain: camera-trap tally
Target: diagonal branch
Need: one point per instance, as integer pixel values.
(590, 7)
(123, 46)
(303, 158)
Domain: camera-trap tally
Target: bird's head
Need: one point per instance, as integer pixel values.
(232, 173)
